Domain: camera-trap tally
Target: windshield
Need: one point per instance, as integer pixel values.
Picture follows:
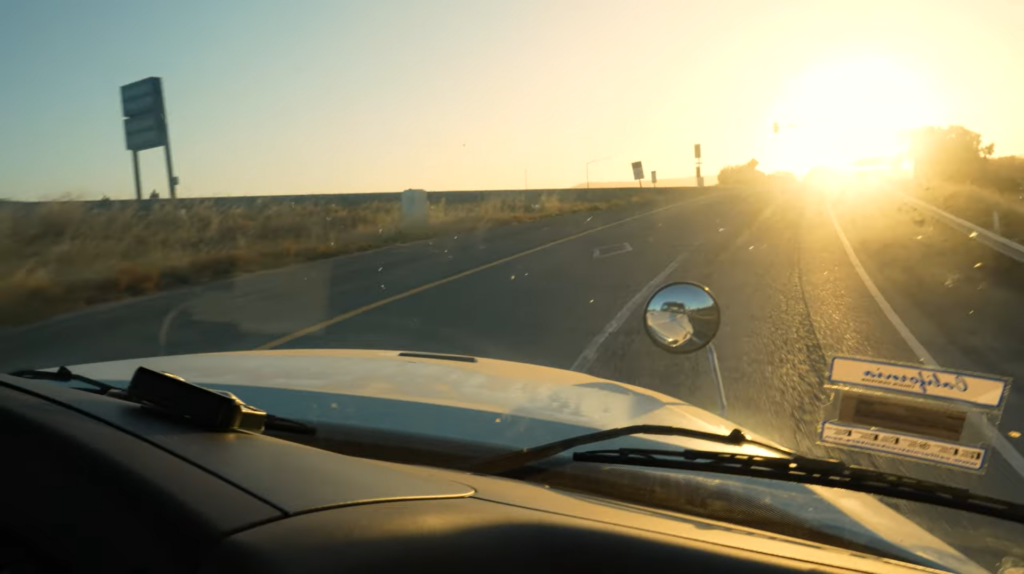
(514, 181)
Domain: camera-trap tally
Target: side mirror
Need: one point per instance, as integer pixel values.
(682, 317)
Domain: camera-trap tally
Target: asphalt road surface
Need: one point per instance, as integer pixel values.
(789, 269)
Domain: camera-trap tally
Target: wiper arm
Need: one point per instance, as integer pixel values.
(520, 458)
(806, 470)
(64, 375)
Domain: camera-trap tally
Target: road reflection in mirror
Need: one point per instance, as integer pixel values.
(682, 317)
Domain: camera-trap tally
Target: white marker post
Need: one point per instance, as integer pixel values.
(414, 208)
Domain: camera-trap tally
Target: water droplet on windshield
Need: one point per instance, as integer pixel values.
(919, 237)
(513, 278)
(591, 300)
(973, 234)
(976, 265)
(721, 229)
(379, 269)
(750, 248)
(971, 312)
(382, 287)
(588, 219)
(1013, 434)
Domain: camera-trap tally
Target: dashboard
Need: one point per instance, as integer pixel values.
(92, 483)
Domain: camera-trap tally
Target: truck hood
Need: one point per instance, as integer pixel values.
(511, 405)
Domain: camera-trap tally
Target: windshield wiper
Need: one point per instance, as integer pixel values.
(520, 458)
(64, 375)
(805, 470)
(789, 467)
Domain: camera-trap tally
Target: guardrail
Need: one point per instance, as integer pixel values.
(1001, 244)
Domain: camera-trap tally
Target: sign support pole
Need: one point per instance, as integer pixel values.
(171, 180)
(138, 182)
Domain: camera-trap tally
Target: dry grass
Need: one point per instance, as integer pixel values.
(976, 204)
(61, 256)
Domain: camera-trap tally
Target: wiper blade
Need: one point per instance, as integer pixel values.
(64, 375)
(520, 458)
(806, 470)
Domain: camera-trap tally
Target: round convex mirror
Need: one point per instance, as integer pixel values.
(682, 317)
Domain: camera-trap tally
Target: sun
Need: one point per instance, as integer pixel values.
(843, 111)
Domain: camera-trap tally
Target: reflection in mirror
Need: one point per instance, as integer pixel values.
(682, 317)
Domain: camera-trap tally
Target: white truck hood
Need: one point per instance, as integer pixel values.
(488, 401)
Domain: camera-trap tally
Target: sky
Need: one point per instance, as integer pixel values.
(274, 97)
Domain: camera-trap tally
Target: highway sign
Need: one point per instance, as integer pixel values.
(142, 97)
(638, 170)
(696, 151)
(145, 126)
(145, 131)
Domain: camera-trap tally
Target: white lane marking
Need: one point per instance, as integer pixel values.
(609, 250)
(165, 327)
(997, 242)
(588, 355)
(901, 327)
(1000, 442)
(716, 372)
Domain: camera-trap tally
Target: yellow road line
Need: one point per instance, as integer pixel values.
(349, 314)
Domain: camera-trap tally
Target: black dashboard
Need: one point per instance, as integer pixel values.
(91, 483)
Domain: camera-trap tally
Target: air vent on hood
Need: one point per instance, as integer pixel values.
(457, 358)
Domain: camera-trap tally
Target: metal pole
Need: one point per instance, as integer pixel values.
(170, 170)
(138, 181)
(716, 372)
(588, 167)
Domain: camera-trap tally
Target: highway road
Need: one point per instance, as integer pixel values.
(800, 276)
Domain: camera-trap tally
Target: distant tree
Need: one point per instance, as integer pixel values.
(746, 174)
(783, 179)
(952, 153)
(1004, 173)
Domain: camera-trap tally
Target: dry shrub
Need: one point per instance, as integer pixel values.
(63, 255)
